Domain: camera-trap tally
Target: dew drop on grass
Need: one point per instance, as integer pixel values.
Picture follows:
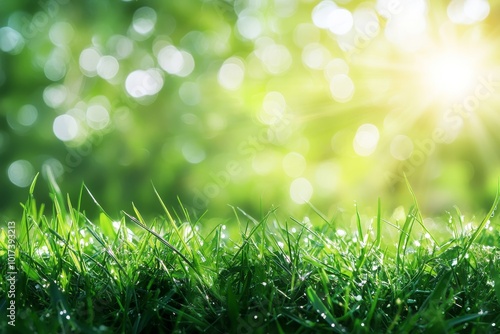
(410, 250)
(341, 233)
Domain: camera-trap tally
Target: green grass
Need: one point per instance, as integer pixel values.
(128, 275)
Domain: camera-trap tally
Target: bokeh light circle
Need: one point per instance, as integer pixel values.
(301, 190)
(107, 67)
(65, 127)
(97, 117)
(341, 21)
(27, 115)
(231, 73)
(401, 147)
(366, 140)
(342, 88)
(11, 41)
(21, 173)
(142, 83)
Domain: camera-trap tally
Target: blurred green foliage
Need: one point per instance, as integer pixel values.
(248, 103)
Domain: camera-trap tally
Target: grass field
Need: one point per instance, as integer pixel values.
(75, 274)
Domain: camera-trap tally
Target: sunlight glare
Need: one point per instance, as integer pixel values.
(450, 74)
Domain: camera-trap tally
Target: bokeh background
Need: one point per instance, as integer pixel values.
(251, 103)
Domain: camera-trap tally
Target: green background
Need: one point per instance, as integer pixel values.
(254, 120)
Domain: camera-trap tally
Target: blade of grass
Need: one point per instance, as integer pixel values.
(404, 237)
(106, 248)
(420, 219)
(162, 240)
(481, 226)
(379, 225)
(318, 305)
(172, 222)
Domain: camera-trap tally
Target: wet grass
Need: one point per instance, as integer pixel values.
(128, 275)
